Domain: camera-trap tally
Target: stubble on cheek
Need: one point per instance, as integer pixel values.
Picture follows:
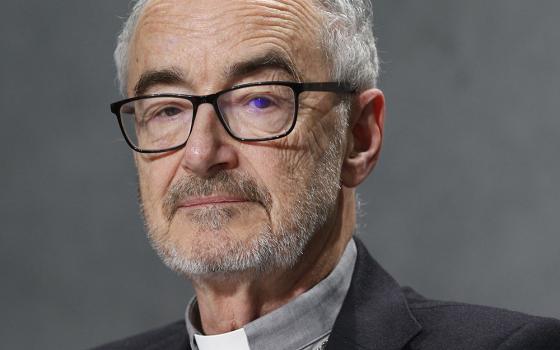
(154, 225)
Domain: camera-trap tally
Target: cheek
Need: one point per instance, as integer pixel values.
(300, 155)
(155, 176)
(301, 150)
(284, 166)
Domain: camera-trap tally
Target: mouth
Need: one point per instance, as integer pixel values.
(210, 201)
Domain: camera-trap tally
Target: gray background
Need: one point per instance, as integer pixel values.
(464, 204)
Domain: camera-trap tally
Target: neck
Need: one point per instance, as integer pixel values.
(229, 304)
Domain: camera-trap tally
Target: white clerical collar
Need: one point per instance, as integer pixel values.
(234, 340)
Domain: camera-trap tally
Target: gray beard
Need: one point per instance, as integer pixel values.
(268, 249)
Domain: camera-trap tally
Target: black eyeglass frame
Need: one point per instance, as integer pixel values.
(197, 100)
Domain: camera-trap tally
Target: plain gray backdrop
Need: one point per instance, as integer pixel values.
(464, 204)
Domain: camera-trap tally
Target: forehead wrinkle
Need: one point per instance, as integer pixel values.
(297, 56)
(288, 25)
(171, 17)
(282, 16)
(283, 32)
(302, 7)
(286, 15)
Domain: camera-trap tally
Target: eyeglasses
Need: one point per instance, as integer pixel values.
(249, 112)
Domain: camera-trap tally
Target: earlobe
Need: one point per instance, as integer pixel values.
(365, 137)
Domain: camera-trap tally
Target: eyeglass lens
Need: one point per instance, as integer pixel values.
(251, 113)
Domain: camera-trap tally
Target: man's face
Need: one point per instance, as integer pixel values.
(220, 205)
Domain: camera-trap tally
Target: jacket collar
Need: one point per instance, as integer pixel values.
(375, 314)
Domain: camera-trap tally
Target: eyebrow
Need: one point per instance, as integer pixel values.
(168, 76)
(269, 60)
(173, 76)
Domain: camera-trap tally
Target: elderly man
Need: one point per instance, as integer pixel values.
(252, 124)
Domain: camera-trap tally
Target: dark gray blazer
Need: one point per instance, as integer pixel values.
(378, 314)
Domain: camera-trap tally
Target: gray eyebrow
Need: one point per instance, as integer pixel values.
(168, 76)
(173, 76)
(269, 60)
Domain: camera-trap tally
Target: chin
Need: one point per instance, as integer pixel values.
(204, 253)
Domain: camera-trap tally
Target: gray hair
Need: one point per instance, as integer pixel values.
(346, 38)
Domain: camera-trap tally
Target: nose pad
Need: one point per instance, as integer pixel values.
(206, 120)
(208, 147)
(205, 110)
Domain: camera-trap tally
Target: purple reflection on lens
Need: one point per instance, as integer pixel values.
(260, 102)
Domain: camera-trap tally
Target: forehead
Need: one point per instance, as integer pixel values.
(200, 36)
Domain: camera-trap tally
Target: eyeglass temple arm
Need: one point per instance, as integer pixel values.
(329, 86)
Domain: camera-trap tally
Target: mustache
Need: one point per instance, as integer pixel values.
(223, 182)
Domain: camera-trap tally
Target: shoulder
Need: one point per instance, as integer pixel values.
(171, 336)
(454, 325)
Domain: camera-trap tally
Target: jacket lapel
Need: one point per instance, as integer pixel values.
(375, 313)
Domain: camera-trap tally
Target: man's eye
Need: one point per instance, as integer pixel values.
(260, 102)
(169, 112)
(161, 114)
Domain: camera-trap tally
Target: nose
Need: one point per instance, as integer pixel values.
(209, 148)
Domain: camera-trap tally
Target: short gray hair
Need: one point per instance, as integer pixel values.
(346, 38)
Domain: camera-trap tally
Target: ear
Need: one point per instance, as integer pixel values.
(365, 137)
